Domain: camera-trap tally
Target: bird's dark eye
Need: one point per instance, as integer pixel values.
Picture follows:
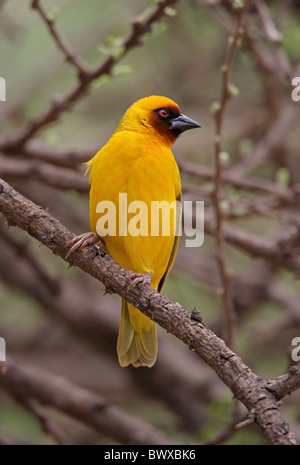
(163, 113)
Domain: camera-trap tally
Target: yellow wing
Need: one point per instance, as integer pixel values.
(174, 250)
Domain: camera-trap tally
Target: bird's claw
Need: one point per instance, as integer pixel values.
(83, 240)
(144, 278)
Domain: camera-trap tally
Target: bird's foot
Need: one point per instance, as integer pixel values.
(144, 278)
(79, 242)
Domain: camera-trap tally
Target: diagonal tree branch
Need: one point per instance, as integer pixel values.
(48, 425)
(57, 177)
(79, 403)
(245, 385)
(82, 313)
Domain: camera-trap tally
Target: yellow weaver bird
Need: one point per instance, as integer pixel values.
(137, 160)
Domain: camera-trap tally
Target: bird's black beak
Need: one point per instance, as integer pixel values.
(182, 123)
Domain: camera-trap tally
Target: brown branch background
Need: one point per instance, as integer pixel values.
(235, 77)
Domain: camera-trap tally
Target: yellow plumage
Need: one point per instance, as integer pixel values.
(137, 160)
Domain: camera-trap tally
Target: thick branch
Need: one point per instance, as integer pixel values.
(79, 403)
(256, 246)
(58, 177)
(245, 385)
(285, 384)
(251, 183)
(81, 310)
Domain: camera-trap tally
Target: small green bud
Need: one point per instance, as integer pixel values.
(170, 11)
(120, 70)
(233, 89)
(224, 206)
(237, 4)
(103, 79)
(224, 158)
(282, 176)
(215, 107)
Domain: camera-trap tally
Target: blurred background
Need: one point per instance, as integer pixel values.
(57, 318)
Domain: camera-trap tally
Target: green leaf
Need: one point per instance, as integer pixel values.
(215, 107)
(159, 28)
(113, 46)
(120, 70)
(237, 4)
(103, 79)
(224, 158)
(283, 176)
(233, 89)
(54, 13)
(170, 11)
(224, 206)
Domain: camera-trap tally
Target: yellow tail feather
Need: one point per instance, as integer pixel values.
(137, 341)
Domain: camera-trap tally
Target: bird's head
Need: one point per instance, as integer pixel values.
(157, 116)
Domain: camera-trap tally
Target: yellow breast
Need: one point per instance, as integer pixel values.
(146, 171)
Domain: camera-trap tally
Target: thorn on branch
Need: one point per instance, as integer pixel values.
(196, 316)
(108, 290)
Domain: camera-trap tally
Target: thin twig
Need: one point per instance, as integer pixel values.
(48, 425)
(226, 94)
(70, 56)
(61, 104)
(274, 36)
(22, 250)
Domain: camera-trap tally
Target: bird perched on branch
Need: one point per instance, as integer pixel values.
(138, 161)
